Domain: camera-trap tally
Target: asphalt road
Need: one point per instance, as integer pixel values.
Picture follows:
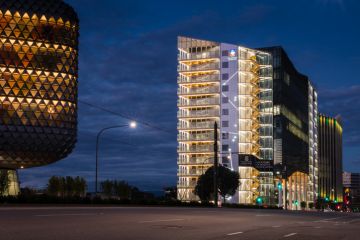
(156, 223)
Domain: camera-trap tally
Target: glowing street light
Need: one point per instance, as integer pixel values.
(132, 125)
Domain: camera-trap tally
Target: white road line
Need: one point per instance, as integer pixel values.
(163, 220)
(328, 219)
(318, 227)
(277, 226)
(263, 215)
(69, 214)
(235, 233)
(289, 235)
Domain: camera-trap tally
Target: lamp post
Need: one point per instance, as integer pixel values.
(131, 125)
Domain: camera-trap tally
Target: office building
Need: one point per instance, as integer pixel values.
(351, 183)
(295, 132)
(38, 79)
(230, 85)
(330, 159)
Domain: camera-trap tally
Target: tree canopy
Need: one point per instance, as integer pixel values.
(228, 182)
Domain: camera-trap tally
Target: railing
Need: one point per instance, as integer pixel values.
(196, 125)
(196, 137)
(186, 185)
(208, 148)
(197, 172)
(199, 102)
(196, 161)
(202, 67)
(201, 113)
(202, 90)
(190, 56)
(203, 78)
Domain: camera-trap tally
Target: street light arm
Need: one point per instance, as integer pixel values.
(97, 151)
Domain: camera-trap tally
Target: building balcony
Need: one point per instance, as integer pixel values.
(198, 91)
(191, 173)
(200, 67)
(198, 149)
(196, 161)
(198, 114)
(186, 185)
(198, 102)
(199, 79)
(196, 125)
(196, 137)
(203, 55)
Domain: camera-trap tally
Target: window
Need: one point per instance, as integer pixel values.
(225, 160)
(225, 88)
(225, 64)
(225, 111)
(277, 110)
(225, 100)
(225, 76)
(225, 53)
(225, 124)
(225, 135)
(225, 148)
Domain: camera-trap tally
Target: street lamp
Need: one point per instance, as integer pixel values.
(131, 125)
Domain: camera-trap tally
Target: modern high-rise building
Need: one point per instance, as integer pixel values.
(330, 158)
(38, 79)
(230, 85)
(267, 113)
(351, 182)
(295, 132)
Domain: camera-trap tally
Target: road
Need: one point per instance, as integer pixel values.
(156, 223)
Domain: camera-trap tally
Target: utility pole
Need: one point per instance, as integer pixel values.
(215, 164)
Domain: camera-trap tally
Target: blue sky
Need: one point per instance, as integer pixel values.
(128, 65)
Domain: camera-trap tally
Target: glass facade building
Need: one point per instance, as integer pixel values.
(330, 158)
(38, 79)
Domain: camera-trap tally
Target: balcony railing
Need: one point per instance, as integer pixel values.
(196, 161)
(207, 148)
(186, 185)
(196, 137)
(198, 79)
(199, 102)
(197, 172)
(202, 67)
(196, 125)
(201, 113)
(200, 90)
(190, 56)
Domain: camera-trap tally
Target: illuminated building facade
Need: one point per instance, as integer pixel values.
(230, 85)
(295, 133)
(38, 79)
(330, 159)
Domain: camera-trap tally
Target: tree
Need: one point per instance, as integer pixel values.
(53, 186)
(228, 182)
(4, 181)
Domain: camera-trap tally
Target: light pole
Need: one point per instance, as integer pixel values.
(131, 125)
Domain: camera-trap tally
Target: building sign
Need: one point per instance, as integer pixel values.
(232, 55)
(252, 161)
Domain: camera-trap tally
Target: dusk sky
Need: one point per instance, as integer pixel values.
(128, 61)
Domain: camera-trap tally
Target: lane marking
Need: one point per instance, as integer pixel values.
(69, 214)
(263, 215)
(317, 227)
(277, 226)
(289, 235)
(235, 233)
(328, 219)
(163, 220)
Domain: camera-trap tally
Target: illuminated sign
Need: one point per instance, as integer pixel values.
(232, 55)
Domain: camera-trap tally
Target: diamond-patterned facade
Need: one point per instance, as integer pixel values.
(38, 81)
